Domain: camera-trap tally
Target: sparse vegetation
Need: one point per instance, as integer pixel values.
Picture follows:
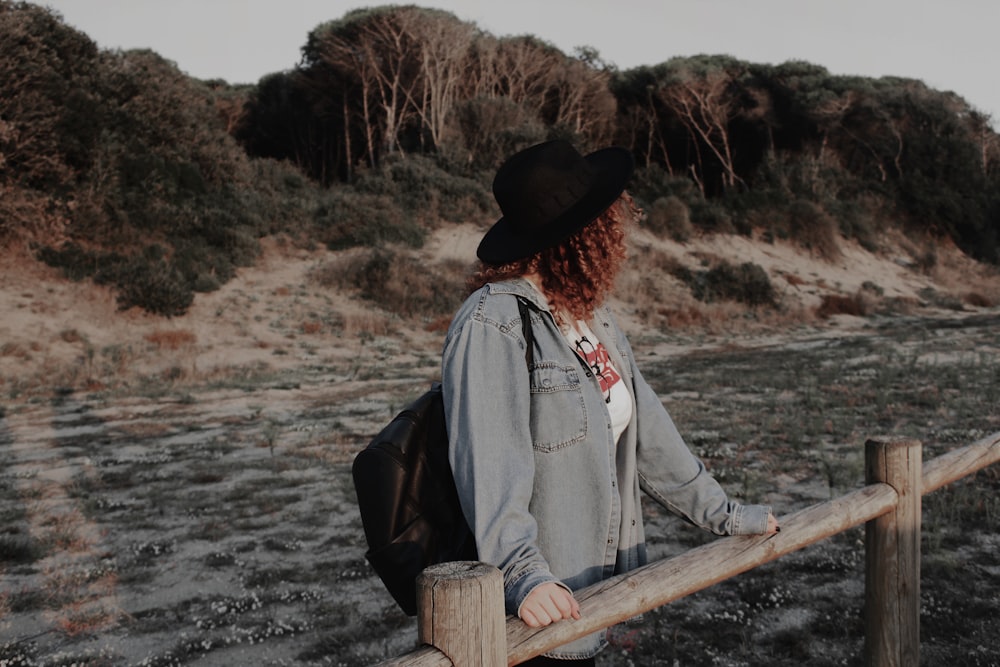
(669, 216)
(171, 339)
(399, 283)
(747, 283)
(245, 487)
(839, 304)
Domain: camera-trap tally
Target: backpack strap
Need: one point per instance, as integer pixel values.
(529, 336)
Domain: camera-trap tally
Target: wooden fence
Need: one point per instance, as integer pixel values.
(461, 618)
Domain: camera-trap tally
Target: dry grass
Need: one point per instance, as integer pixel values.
(658, 301)
(171, 339)
(839, 304)
(311, 327)
(368, 323)
(978, 300)
(793, 279)
(16, 350)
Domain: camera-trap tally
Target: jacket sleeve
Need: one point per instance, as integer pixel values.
(487, 402)
(673, 476)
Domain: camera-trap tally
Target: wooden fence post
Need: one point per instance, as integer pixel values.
(892, 557)
(460, 611)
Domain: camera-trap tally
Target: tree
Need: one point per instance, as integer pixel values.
(389, 77)
(581, 100)
(46, 120)
(700, 92)
(640, 122)
(445, 43)
(980, 127)
(570, 95)
(283, 120)
(378, 52)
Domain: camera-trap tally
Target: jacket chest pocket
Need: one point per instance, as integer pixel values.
(558, 411)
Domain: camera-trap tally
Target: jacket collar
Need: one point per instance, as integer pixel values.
(601, 324)
(520, 287)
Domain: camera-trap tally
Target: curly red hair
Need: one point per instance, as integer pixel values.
(579, 273)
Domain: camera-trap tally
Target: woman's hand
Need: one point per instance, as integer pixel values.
(547, 604)
(772, 525)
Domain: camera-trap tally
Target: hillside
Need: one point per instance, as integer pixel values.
(117, 168)
(281, 314)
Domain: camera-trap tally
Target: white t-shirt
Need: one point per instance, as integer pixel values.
(616, 396)
(583, 341)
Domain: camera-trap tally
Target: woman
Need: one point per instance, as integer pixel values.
(549, 459)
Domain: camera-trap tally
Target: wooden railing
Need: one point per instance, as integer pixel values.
(461, 618)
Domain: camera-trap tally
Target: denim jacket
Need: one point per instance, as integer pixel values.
(548, 494)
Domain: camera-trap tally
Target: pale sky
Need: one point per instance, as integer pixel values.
(948, 45)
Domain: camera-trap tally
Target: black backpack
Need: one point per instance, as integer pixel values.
(407, 497)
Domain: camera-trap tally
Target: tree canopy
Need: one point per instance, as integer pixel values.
(117, 166)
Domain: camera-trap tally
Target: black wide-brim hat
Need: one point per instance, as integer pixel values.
(547, 193)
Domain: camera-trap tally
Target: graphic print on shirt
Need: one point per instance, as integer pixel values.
(599, 361)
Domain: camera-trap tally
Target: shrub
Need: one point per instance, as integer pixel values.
(405, 286)
(712, 216)
(979, 300)
(872, 288)
(669, 216)
(939, 300)
(840, 304)
(810, 201)
(202, 266)
(425, 191)
(747, 283)
(487, 130)
(813, 228)
(650, 183)
(858, 219)
(73, 261)
(122, 150)
(148, 280)
(347, 219)
(156, 286)
(399, 283)
(16, 548)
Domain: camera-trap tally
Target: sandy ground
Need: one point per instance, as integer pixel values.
(273, 315)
